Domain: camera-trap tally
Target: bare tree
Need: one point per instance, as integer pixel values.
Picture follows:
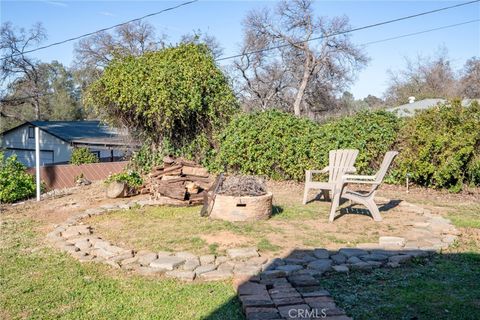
(198, 36)
(308, 48)
(470, 80)
(423, 78)
(19, 70)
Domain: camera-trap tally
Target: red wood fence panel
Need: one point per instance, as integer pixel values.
(63, 175)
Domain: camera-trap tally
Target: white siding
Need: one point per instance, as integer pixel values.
(24, 147)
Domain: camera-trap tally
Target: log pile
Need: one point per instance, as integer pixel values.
(178, 179)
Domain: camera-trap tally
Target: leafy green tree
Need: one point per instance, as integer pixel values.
(15, 183)
(174, 95)
(82, 156)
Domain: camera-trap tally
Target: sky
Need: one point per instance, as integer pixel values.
(223, 19)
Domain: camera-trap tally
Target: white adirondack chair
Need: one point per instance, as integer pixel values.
(365, 199)
(339, 163)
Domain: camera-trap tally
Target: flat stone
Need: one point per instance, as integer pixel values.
(242, 253)
(287, 301)
(129, 261)
(351, 252)
(207, 259)
(251, 288)
(374, 257)
(361, 266)
(321, 253)
(303, 280)
(221, 259)
(321, 265)
(321, 303)
(181, 275)
(247, 269)
(112, 264)
(83, 245)
(289, 268)
(294, 261)
(315, 293)
(167, 263)
(122, 256)
(191, 264)
(101, 252)
(216, 275)
(186, 255)
(293, 311)
(256, 260)
(205, 268)
(353, 260)
(341, 268)
(388, 240)
(400, 258)
(145, 258)
(338, 258)
(256, 313)
(147, 271)
(271, 274)
(256, 301)
(226, 266)
(99, 243)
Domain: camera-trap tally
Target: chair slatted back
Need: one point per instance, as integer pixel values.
(339, 162)
(387, 161)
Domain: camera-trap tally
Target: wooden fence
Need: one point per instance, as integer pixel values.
(64, 175)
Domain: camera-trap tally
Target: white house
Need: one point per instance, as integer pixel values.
(59, 138)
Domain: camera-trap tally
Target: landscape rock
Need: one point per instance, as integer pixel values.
(242, 253)
(207, 259)
(167, 263)
(205, 268)
(341, 268)
(352, 252)
(321, 253)
(145, 258)
(216, 275)
(191, 264)
(181, 275)
(322, 265)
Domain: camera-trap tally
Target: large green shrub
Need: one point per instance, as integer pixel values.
(175, 95)
(15, 183)
(440, 147)
(282, 146)
(82, 155)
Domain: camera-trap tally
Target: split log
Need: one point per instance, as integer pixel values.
(195, 171)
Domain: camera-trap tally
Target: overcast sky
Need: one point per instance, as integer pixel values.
(223, 19)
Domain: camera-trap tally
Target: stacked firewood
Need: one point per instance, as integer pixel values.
(178, 179)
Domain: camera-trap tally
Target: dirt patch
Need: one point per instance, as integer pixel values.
(226, 239)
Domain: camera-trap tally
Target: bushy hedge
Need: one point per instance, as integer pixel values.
(282, 146)
(83, 155)
(15, 183)
(440, 147)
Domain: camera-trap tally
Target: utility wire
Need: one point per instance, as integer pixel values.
(101, 30)
(350, 30)
(420, 32)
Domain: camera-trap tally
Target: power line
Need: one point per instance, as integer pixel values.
(351, 30)
(101, 30)
(420, 32)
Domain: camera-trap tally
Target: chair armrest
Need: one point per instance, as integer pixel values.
(324, 170)
(351, 170)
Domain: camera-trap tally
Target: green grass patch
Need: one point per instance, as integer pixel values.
(45, 284)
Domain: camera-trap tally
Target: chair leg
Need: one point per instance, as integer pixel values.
(326, 195)
(372, 207)
(334, 206)
(305, 195)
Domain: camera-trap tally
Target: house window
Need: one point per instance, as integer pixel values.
(31, 132)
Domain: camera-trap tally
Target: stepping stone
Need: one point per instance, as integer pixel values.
(303, 281)
(341, 268)
(255, 313)
(103, 253)
(294, 311)
(207, 259)
(338, 258)
(191, 264)
(226, 266)
(400, 258)
(352, 252)
(186, 255)
(216, 275)
(289, 268)
(322, 265)
(145, 258)
(181, 275)
(205, 268)
(242, 253)
(374, 257)
(167, 263)
(83, 245)
(262, 300)
(221, 259)
(353, 260)
(321, 253)
(246, 269)
(251, 288)
(388, 241)
(271, 274)
(286, 301)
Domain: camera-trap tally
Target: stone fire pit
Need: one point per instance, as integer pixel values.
(238, 198)
(242, 208)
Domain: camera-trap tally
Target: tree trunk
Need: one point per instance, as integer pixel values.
(303, 86)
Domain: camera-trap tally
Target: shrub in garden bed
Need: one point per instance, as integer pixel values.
(440, 147)
(15, 183)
